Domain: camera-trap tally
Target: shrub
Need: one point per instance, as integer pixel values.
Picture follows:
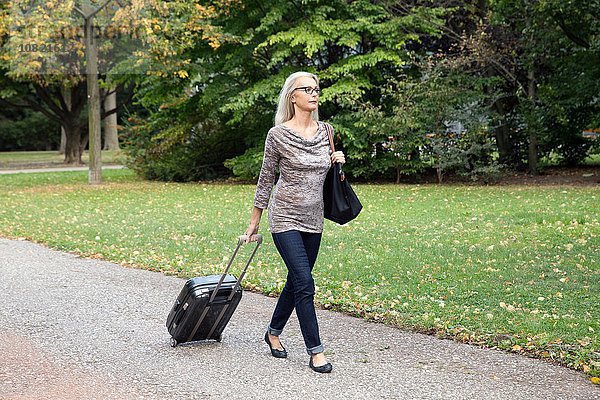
(247, 166)
(28, 130)
(470, 157)
(172, 150)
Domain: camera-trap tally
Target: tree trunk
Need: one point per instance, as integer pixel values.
(482, 10)
(111, 136)
(73, 144)
(66, 93)
(502, 134)
(532, 128)
(85, 139)
(93, 91)
(63, 141)
(533, 154)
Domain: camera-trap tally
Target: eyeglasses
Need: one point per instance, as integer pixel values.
(309, 90)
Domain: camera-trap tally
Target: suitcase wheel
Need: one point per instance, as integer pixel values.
(174, 342)
(219, 338)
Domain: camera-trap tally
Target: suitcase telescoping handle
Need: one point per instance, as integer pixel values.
(241, 239)
(259, 239)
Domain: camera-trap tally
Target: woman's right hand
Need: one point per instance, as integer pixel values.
(250, 234)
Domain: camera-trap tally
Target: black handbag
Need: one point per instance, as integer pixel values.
(340, 201)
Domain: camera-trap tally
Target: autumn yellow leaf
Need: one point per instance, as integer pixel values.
(586, 368)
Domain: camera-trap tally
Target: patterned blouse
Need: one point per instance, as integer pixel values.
(297, 201)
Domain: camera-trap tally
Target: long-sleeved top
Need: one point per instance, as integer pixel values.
(297, 201)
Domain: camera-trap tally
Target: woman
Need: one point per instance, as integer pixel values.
(299, 146)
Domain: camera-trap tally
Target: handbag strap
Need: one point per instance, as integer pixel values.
(329, 130)
(330, 136)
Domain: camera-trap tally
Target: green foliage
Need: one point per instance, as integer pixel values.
(466, 157)
(570, 147)
(27, 130)
(137, 40)
(549, 53)
(248, 165)
(180, 151)
(438, 117)
(354, 47)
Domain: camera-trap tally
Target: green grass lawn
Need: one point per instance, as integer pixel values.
(512, 267)
(36, 159)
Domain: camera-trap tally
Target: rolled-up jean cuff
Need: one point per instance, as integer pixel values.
(274, 332)
(315, 350)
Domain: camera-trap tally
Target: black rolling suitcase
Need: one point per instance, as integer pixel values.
(205, 304)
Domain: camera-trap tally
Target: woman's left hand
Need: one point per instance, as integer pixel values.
(338, 156)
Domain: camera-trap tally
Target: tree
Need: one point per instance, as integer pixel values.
(550, 74)
(134, 40)
(216, 99)
(50, 101)
(542, 72)
(38, 67)
(354, 47)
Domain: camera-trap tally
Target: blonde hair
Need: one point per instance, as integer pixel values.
(285, 107)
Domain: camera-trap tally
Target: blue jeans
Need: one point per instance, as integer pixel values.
(299, 252)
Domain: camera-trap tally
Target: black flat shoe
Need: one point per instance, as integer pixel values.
(323, 369)
(274, 352)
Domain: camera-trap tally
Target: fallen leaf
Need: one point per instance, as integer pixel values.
(586, 368)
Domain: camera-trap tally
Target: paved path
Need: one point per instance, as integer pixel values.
(73, 328)
(54, 169)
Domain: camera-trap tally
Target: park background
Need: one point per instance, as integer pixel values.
(462, 93)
